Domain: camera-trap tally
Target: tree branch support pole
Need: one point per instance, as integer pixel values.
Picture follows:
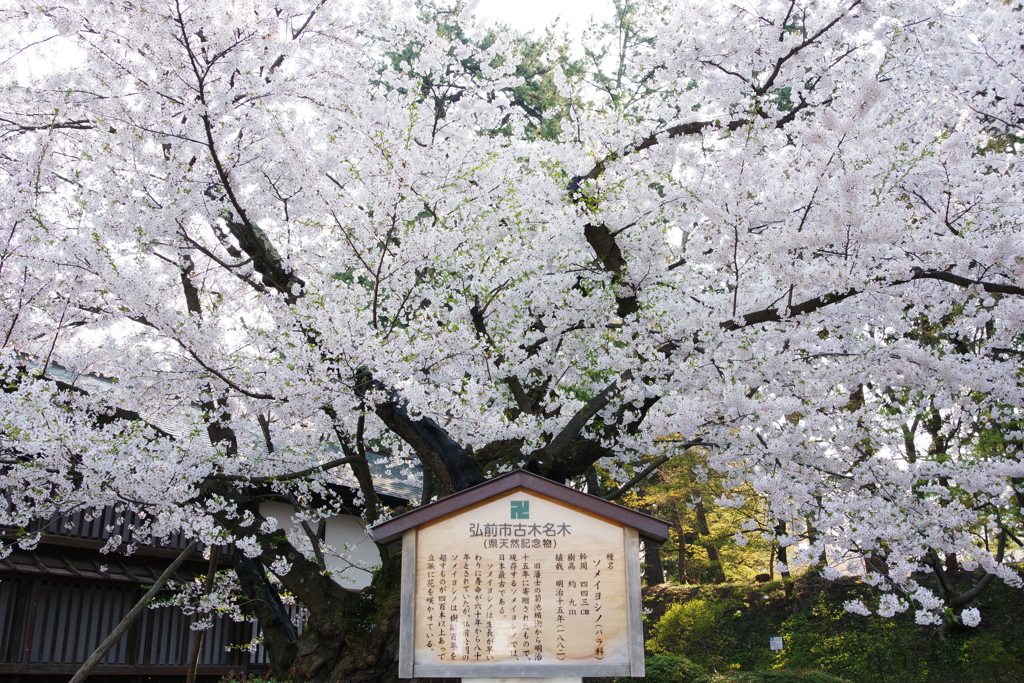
(132, 615)
(197, 636)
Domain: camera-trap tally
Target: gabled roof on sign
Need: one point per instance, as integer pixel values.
(648, 527)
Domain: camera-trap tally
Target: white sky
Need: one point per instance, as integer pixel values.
(536, 14)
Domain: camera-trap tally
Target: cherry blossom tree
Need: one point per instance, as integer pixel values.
(294, 234)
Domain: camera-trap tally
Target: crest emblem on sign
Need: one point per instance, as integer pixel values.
(520, 509)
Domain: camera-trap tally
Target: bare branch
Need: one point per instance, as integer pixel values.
(617, 493)
(221, 376)
(291, 476)
(775, 314)
(561, 442)
(961, 281)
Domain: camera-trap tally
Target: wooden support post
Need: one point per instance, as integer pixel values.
(132, 615)
(197, 636)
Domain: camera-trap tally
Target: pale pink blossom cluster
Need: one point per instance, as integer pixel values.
(799, 242)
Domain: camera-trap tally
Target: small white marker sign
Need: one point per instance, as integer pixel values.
(775, 643)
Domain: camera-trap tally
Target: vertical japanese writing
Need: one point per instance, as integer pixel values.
(431, 601)
(515, 626)
(466, 614)
(489, 612)
(478, 608)
(599, 640)
(454, 625)
(443, 637)
(502, 607)
(524, 606)
(528, 604)
(559, 614)
(538, 614)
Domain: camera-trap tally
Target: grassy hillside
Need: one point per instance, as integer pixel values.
(727, 628)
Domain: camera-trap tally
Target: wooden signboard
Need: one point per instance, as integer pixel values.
(521, 577)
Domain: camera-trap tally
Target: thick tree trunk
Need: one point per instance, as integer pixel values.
(593, 482)
(812, 536)
(264, 603)
(874, 562)
(715, 570)
(680, 549)
(654, 574)
(355, 643)
(347, 637)
(782, 551)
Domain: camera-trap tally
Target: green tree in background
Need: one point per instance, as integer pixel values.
(710, 542)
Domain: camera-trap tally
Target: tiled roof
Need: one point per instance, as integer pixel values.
(56, 561)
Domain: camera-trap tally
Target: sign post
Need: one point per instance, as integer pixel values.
(521, 577)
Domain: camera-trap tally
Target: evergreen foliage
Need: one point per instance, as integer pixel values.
(727, 628)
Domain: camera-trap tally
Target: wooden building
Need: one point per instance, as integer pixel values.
(59, 600)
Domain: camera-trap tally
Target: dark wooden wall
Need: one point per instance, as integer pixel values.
(51, 625)
(61, 599)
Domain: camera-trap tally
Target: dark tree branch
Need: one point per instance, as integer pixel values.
(961, 281)
(679, 130)
(264, 603)
(810, 305)
(451, 465)
(654, 465)
(774, 314)
(109, 416)
(503, 450)
(291, 476)
(554, 450)
(313, 538)
(770, 81)
(360, 466)
(633, 428)
(15, 128)
(602, 241)
(305, 578)
(523, 402)
(217, 417)
(966, 597)
(646, 472)
(221, 376)
(251, 238)
(234, 269)
(198, 636)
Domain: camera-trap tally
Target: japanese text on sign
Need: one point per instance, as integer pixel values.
(547, 590)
